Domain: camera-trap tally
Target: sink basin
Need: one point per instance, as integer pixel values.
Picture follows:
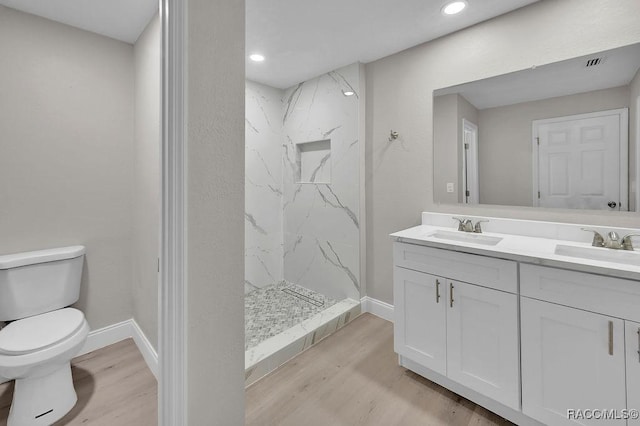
(626, 257)
(466, 237)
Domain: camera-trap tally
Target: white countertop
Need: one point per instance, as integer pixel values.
(521, 248)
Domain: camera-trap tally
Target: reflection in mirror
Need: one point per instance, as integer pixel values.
(561, 135)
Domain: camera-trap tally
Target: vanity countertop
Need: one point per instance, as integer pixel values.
(521, 248)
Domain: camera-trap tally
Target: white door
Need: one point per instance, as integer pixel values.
(571, 360)
(482, 341)
(632, 335)
(419, 323)
(582, 161)
(470, 178)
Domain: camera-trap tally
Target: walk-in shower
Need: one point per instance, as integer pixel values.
(302, 211)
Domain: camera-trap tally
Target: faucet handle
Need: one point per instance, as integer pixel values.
(478, 228)
(460, 223)
(627, 243)
(598, 239)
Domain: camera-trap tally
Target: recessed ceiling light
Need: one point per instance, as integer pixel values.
(454, 7)
(256, 57)
(348, 92)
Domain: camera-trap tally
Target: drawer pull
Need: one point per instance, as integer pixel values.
(610, 337)
(639, 345)
(451, 295)
(437, 291)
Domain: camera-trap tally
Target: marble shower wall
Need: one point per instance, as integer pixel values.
(263, 186)
(321, 220)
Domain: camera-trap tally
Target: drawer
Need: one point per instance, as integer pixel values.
(615, 297)
(485, 271)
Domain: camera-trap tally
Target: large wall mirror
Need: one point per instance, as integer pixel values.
(561, 135)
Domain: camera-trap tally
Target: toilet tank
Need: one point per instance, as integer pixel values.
(36, 282)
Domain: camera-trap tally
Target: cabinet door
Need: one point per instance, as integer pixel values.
(571, 360)
(632, 334)
(419, 326)
(482, 341)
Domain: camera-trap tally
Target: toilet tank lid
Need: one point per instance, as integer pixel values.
(16, 260)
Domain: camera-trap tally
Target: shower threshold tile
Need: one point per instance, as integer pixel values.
(270, 354)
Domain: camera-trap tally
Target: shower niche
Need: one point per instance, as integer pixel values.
(314, 162)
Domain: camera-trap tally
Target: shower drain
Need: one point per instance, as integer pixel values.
(303, 297)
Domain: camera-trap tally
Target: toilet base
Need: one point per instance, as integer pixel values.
(40, 401)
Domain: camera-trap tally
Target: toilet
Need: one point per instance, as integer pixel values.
(43, 334)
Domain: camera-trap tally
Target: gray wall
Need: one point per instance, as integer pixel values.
(445, 147)
(505, 147)
(215, 193)
(66, 162)
(146, 184)
(634, 137)
(400, 181)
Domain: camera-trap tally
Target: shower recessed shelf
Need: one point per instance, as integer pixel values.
(314, 161)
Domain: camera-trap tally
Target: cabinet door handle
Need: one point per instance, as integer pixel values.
(437, 291)
(639, 345)
(451, 295)
(610, 337)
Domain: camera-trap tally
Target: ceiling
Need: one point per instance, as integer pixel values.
(617, 68)
(123, 20)
(302, 39)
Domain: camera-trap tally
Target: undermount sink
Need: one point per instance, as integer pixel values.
(626, 257)
(466, 237)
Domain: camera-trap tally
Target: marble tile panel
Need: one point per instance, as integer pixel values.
(275, 351)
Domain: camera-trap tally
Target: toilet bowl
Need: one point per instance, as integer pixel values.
(43, 334)
(37, 353)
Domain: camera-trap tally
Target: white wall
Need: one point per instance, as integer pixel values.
(263, 186)
(399, 97)
(66, 162)
(215, 212)
(322, 220)
(505, 146)
(146, 185)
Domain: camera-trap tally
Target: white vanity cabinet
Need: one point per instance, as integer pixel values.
(482, 341)
(632, 335)
(420, 328)
(464, 331)
(571, 359)
(578, 344)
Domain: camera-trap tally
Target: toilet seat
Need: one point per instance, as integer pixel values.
(40, 332)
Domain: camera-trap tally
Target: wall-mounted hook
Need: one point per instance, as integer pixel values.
(393, 136)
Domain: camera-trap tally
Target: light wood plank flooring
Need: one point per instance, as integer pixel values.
(353, 378)
(114, 386)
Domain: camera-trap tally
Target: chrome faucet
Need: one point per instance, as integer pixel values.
(612, 241)
(466, 225)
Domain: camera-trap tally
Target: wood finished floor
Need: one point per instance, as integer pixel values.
(114, 386)
(353, 378)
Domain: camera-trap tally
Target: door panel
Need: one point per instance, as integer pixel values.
(568, 363)
(482, 341)
(579, 161)
(420, 323)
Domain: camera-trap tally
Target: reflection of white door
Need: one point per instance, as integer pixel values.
(470, 183)
(581, 161)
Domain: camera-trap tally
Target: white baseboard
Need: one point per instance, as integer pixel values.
(115, 333)
(377, 307)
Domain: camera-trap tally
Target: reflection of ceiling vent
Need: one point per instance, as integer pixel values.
(593, 62)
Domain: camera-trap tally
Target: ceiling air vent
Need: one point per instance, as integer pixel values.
(593, 62)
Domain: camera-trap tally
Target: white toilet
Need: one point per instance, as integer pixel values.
(37, 346)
